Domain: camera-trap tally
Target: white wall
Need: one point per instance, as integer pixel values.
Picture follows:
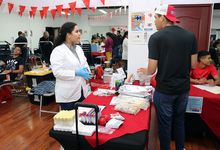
(114, 21)
(100, 29)
(12, 23)
(216, 23)
(138, 54)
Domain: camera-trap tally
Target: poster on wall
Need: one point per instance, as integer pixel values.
(194, 105)
(141, 26)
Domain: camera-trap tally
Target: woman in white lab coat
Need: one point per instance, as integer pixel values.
(70, 67)
(125, 50)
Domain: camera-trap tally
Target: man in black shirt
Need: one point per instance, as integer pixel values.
(45, 37)
(23, 46)
(46, 46)
(172, 51)
(14, 65)
(21, 39)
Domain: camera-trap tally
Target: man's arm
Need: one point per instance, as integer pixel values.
(151, 69)
(199, 81)
(193, 61)
(20, 70)
(217, 80)
(152, 66)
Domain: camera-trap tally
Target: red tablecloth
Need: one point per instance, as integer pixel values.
(210, 110)
(98, 53)
(98, 83)
(132, 123)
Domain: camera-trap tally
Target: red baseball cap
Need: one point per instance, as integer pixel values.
(168, 12)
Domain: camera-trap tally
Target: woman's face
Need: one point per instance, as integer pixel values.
(74, 36)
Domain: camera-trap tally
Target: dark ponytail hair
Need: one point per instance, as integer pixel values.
(67, 27)
(125, 34)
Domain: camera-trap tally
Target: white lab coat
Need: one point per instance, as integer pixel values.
(125, 49)
(64, 63)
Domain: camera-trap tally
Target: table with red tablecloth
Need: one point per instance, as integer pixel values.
(133, 125)
(98, 53)
(210, 110)
(98, 83)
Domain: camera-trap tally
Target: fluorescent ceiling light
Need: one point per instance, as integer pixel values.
(102, 11)
(64, 13)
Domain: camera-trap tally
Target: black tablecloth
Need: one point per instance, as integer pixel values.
(136, 141)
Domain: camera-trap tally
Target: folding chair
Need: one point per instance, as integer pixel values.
(41, 103)
(43, 89)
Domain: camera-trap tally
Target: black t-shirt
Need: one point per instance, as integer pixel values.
(172, 47)
(120, 39)
(44, 43)
(21, 39)
(13, 64)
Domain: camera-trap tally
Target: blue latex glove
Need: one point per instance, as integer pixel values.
(83, 72)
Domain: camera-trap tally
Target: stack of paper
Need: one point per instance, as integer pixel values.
(211, 89)
(86, 130)
(134, 90)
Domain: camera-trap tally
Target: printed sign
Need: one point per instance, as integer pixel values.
(141, 24)
(194, 105)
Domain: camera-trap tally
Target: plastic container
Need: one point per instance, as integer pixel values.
(144, 79)
(107, 78)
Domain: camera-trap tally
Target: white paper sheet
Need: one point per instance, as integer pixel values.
(211, 89)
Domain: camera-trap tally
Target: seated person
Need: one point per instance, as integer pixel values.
(214, 52)
(203, 70)
(15, 64)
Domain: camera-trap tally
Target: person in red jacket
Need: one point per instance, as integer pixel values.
(205, 72)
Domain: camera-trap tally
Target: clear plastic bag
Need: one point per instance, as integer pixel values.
(129, 108)
(105, 130)
(113, 123)
(142, 103)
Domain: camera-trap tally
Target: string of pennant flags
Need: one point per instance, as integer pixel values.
(117, 12)
(44, 10)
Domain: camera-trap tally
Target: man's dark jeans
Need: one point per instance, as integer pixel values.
(170, 111)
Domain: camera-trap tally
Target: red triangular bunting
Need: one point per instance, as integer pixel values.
(86, 3)
(45, 10)
(33, 9)
(72, 7)
(59, 9)
(1, 2)
(41, 14)
(93, 9)
(53, 12)
(31, 13)
(66, 10)
(103, 2)
(79, 10)
(21, 8)
(10, 7)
